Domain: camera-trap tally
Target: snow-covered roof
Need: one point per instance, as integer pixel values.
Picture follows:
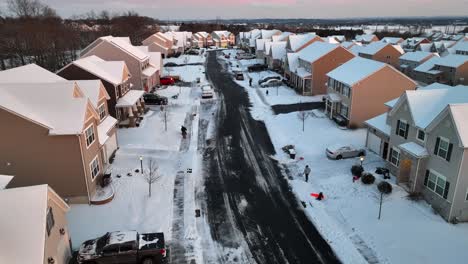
(222, 33)
(104, 127)
(392, 40)
(356, 49)
(126, 46)
(461, 46)
(92, 90)
(374, 47)
(428, 65)
(452, 60)
(380, 123)
(303, 73)
(111, 71)
(426, 47)
(316, 50)
(130, 98)
(330, 40)
(293, 61)
(355, 70)
(434, 86)
(459, 114)
(30, 73)
(260, 44)
(365, 37)
(23, 224)
(268, 34)
(416, 56)
(267, 47)
(414, 149)
(4, 180)
(282, 37)
(391, 103)
(349, 44)
(297, 41)
(278, 50)
(155, 59)
(51, 105)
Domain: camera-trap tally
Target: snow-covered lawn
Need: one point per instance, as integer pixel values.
(408, 232)
(188, 73)
(183, 59)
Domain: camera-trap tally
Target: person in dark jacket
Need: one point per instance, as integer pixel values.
(250, 82)
(306, 173)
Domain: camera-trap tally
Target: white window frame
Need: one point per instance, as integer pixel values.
(344, 106)
(417, 135)
(397, 159)
(446, 150)
(102, 110)
(91, 167)
(86, 135)
(405, 123)
(437, 177)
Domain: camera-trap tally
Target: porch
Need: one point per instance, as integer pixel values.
(130, 109)
(301, 80)
(412, 165)
(334, 109)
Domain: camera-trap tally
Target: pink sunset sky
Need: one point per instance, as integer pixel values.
(209, 9)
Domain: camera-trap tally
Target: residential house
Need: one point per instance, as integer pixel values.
(413, 59)
(392, 40)
(159, 42)
(441, 47)
(412, 44)
(202, 40)
(260, 48)
(34, 226)
(461, 48)
(451, 69)
(423, 137)
(223, 39)
(48, 119)
(352, 84)
(366, 38)
(313, 63)
(142, 73)
(349, 44)
(383, 52)
(247, 40)
(295, 44)
(284, 36)
(276, 55)
(124, 104)
(181, 40)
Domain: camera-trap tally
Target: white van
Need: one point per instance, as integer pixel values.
(207, 91)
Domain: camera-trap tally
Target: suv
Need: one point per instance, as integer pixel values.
(269, 78)
(154, 99)
(124, 247)
(239, 75)
(257, 68)
(207, 91)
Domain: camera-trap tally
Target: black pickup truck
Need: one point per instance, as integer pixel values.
(127, 247)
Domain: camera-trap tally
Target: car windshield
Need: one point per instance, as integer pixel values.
(101, 242)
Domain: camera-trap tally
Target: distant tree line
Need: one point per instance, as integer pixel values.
(210, 27)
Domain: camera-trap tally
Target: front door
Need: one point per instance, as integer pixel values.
(385, 151)
(405, 171)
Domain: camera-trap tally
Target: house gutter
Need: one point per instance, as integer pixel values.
(84, 169)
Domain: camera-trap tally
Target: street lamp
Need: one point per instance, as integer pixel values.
(141, 164)
(361, 159)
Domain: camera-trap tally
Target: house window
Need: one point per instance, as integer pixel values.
(402, 129)
(421, 136)
(395, 157)
(94, 166)
(89, 133)
(344, 110)
(102, 111)
(50, 221)
(443, 148)
(437, 183)
(345, 91)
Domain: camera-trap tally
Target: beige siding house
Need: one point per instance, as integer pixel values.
(159, 42)
(34, 227)
(223, 39)
(143, 74)
(46, 120)
(425, 144)
(202, 40)
(352, 84)
(308, 75)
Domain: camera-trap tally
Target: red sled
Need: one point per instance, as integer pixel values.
(316, 195)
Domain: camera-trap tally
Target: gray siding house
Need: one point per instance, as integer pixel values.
(424, 138)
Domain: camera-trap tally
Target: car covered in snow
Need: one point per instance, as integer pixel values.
(271, 83)
(207, 91)
(124, 247)
(245, 56)
(269, 78)
(344, 151)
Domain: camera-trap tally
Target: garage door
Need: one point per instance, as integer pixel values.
(111, 146)
(373, 143)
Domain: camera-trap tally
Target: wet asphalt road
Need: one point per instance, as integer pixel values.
(246, 190)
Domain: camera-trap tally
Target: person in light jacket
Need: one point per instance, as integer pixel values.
(306, 173)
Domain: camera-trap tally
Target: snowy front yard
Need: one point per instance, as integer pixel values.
(408, 232)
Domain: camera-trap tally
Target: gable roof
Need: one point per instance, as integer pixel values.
(282, 37)
(111, 71)
(23, 225)
(365, 37)
(278, 50)
(427, 65)
(92, 89)
(355, 70)
(392, 40)
(30, 73)
(452, 60)
(124, 45)
(356, 49)
(459, 113)
(4, 180)
(293, 61)
(297, 41)
(376, 46)
(461, 46)
(316, 50)
(416, 56)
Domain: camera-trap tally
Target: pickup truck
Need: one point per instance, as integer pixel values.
(127, 247)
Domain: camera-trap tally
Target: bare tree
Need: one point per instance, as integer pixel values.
(25, 8)
(165, 115)
(303, 115)
(151, 174)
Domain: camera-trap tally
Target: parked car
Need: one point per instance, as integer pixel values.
(124, 247)
(257, 67)
(227, 56)
(268, 78)
(154, 99)
(239, 75)
(271, 83)
(207, 91)
(166, 81)
(171, 64)
(192, 52)
(245, 56)
(347, 151)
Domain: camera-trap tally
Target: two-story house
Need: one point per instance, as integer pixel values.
(143, 75)
(461, 48)
(202, 40)
(34, 220)
(425, 144)
(115, 76)
(412, 44)
(49, 118)
(223, 39)
(392, 40)
(413, 59)
(295, 44)
(352, 84)
(383, 52)
(276, 55)
(451, 69)
(313, 63)
(366, 38)
(159, 42)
